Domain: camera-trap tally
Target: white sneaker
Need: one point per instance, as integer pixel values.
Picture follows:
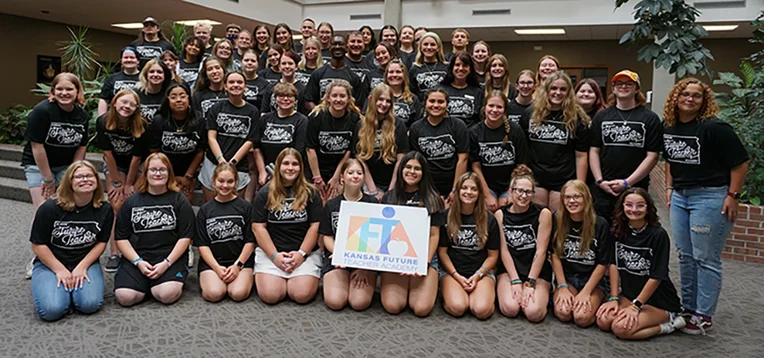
(190, 257)
(677, 323)
(28, 270)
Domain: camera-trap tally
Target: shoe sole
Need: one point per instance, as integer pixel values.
(110, 270)
(695, 332)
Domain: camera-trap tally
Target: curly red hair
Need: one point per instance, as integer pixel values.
(670, 110)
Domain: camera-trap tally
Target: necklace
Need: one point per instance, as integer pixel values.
(428, 67)
(634, 231)
(620, 114)
(357, 199)
(179, 129)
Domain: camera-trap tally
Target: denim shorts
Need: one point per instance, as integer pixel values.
(208, 168)
(120, 169)
(503, 195)
(578, 281)
(34, 177)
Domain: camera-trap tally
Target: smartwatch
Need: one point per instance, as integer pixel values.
(239, 263)
(234, 161)
(637, 303)
(733, 195)
(531, 282)
(303, 253)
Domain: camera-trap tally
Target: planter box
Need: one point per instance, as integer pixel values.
(746, 241)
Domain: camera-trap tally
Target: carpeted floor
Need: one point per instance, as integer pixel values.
(195, 328)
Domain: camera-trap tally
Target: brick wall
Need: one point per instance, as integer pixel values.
(746, 241)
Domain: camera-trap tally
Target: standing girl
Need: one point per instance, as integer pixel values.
(288, 67)
(282, 36)
(407, 107)
(223, 50)
(465, 97)
(152, 87)
(468, 252)
(311, 60)
(498, 79)
(190, 60)
(127, 78)
(406, 51)
(262, 41)
(383, 54)
(525, 86)
(256, 84)
(547, 65)
(480, 54)
(429, 68)
(210, 88)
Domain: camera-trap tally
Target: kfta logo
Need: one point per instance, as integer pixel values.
(386, 236)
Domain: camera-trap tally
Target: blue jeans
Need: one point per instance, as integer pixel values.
(52, 303)
(700, 231)
(34, 177)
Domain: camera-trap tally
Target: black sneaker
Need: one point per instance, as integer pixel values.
(112, 263)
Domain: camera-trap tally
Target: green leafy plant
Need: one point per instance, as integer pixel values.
(178, 33)
(77, 55)
(13, 123)
(743, 108)
(672, 23)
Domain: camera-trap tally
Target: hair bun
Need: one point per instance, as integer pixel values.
(522, 170)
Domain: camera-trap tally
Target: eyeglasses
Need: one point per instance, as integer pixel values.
(574, 197)
(524, 192)
(695, 96)
(84, 176)
(285, 95)
(158, 170)
(525, 83)
(627, 84)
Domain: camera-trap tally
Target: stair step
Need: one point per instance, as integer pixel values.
(13, 153)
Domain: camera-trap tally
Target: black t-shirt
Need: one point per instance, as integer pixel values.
(235, 126)
(188, 72)
(521, 234)
(277, 133)
(331, 214)
(441, 146)
(426, 76)
(225, 228)
(360, 68)
(642, 256)
(303, 76)
(150, 50)
(515, 110)
(374, 77)
(287, 227)
(205, 98)
(408, 112)
(331, 138)
(321, 78)
(269, 99)
(624, 138)
(552, 148)
(178, 140)
(70, 235)
(150, 104)
(255, 91)
(120, 142)
(437, 219)
(116, 82)
(702, 154)
(599, 253)
(407, 57)
(497, 160)
(155, 223)
(467, 254)
(464, 103)
(61, 132)
(381, 172)
(270, 75)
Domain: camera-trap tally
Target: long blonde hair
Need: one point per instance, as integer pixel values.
(324, 105)
(562, 218)
(65, 193)
(319, 58)
(135, 124)
(503, 98)
(367, 135)
(571, 110)
(277, 193)
(480, 213)
(420, 58)
(504, 82)
(707, 110)
(406, 94)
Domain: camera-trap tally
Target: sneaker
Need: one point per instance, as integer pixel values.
(190, 257)
(112, 263)
(29, 268)
(669, 327)
(698, 324)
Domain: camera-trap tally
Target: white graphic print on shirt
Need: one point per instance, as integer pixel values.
(402, 110)
(233, 125)
(549, 131)
(301, 77)
(323, 84)
(376, 81)
(438, 147)
(430, 79)
(334, 142)
(461, 106)
(494, 154)
(189, 75)
(520, 237)
(178, 143)
(208, 103)
(634, 260)
(149, 51)
(251, 93)
(121, 145)
(74, 234)
(225, 228)
(122, 84)
(625, 134)
(571, 250)
(149, 110)
(335, 220)
(468, 239)
(65, 134)
(278, 133)
(287, 215)
(682, 149)
(153, 218)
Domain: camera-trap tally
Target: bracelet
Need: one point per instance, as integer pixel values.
(168, 262)
(625, 184)
(116, 184)
(599, 182)
(636, 308)
(669, 188)
(374, 193)
(562, 285)
(47, 181)
(189, 176)
(453, 273)
(219, 156)
(516, 282)
(273, 257)
(614, 298)
(137, 259)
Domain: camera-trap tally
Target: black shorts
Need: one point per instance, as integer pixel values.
(604, 203)
(551, 182)
(545, 274)
(129, 276)
(202, 266)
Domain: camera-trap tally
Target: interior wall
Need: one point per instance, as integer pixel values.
(25, 38)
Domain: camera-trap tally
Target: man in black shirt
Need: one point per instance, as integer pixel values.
(337, 69)
(355, 59)
(460, 38)
(152, 42)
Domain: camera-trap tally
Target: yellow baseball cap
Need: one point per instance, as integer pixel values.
(629, 75)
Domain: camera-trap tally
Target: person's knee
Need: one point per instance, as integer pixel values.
(482, 310)
(302, 295)
(563, 315)
(604, 323)
(393, 305)
(621, 332)
(509, 308)
(455, 307)
(421, 309)
(213, 294)
(583, 319)
(128, 298)
(88, 304)
(535, 314)
(359, 302)
(239, 294)
(335, 300)
(167, 295)
(270, 295)
(51, 309)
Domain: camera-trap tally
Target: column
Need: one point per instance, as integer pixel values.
(392, 15)
(663, 81)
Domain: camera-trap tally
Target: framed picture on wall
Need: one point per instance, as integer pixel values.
(47, 68)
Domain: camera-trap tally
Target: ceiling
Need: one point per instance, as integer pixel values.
(100, 14)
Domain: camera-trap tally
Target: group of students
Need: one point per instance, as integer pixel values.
(533, 187)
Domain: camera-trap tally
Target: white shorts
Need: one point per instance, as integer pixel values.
(208, 168)
(310, 267)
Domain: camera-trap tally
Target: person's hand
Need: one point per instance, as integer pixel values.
(333, 186)
(262, 178)
(48, 189)
(529, 296)
(220, 271)
(605, 186)
(669, 194)
(280, 261)
(564, 299)
(116, 196)
(64, 277)
(472, 283)
(358, 279)
(79, 276)
(617, 186)
(730, 208)
(294, 260)
(517, 292)
(183, 182)
(158, 270)
(128, 190)
(608, 309)
(582, 302)
(231, 273)
(379, 195)
(322, 189)
(628, 317)
(144, 267)
(461, 280)
(449, 199)
(491, 203)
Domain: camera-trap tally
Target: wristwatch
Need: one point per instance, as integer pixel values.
(234, 161)
(303, 253)
(637, 303)
(733, 195)
(531, 282)
(239, 263)
(189, 176)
